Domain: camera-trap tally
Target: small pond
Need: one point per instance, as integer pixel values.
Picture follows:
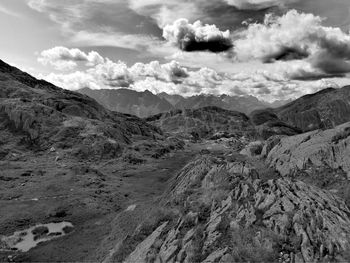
(27, 239)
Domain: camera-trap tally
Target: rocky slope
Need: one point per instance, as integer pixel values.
(320, 148)
(325, 109)
(203, 122)
(38, 115)
(229, 213)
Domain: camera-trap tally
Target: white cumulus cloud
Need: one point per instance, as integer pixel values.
(295, 36)
(63, 58)
(173, 78)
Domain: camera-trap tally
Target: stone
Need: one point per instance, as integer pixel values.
(216, 255)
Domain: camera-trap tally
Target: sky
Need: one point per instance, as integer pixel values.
(270, 49)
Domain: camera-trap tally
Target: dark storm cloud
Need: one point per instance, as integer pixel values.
(197, 37)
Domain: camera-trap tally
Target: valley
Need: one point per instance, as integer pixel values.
(82, 183)
(89, 195)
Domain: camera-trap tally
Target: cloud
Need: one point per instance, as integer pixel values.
(258, 4)
(166, 12)
(111, 74)
(63, 58)
(173, 78)
(9, 12)
(295, 36)
(197, 37)
(97, 23)
(169, 72)
(109, 38)
(297, 43)
(103, 72)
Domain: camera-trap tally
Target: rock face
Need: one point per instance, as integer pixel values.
(40, 115)
(328, 148)
(230, 215)
(325, 109)
(141, 104)
(202, 123)
(140, 253)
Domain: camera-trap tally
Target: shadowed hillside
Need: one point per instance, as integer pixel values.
(324, 109)
(40, 115)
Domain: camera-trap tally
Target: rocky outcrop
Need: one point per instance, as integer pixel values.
(327, 148)
(230, 215)
(140, 253)
(203, 122)
(269, 144)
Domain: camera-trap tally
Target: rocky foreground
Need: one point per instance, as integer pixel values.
(227, 208)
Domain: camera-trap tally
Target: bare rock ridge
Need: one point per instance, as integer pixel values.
(230, 214)
(41, 115)
(323, 149)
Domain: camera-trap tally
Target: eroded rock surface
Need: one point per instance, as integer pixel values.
(227, 211)
(328, 148)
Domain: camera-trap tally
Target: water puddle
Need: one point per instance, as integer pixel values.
(31, 237)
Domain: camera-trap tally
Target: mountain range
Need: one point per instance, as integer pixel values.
(144, 104)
